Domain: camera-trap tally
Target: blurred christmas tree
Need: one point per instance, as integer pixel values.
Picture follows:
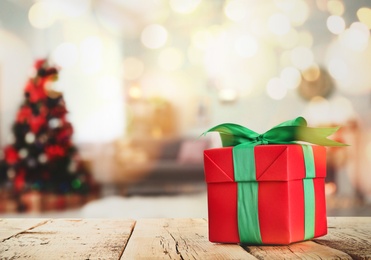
(42, 156)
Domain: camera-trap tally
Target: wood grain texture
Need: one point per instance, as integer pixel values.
(351, 235)
(70, 239)
(177, 239)
(348, 238)
(13, 226)
(302, 250)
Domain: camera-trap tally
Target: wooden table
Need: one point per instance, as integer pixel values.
(348, 238)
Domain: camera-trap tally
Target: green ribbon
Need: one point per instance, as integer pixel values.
(247, 190)
(244, 140)
(309, 196)
(290, 131)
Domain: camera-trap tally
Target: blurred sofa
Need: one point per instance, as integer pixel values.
(148, 166)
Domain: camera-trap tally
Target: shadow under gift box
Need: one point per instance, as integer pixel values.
(280, 174)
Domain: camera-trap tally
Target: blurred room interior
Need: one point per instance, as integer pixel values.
(142, 80)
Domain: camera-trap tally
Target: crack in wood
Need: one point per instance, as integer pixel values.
(25, 231)
(30, 232)
(128, 239)
(176, 245)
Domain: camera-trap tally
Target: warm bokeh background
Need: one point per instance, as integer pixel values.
(143, 79)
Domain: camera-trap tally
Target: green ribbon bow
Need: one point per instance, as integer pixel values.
(244, 140)
(290, 131)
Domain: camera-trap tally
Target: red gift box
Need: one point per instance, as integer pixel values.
(281, 179)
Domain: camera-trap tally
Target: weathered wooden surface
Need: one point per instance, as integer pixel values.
(348, 238)
(14, 226)
(351, 235)
(177, 239)
(69, 239)
(302, 250)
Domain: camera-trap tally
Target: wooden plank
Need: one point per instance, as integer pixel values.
(351, 235)
(301, 250)
(71, 239)
(177, 239)
(12, 226)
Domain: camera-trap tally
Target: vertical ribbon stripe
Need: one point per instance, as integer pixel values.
(244, 162)
(247, 197)
(310, 171)
(309, 196)
(248, 218)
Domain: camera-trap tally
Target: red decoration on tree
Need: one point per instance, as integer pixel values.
(36, 122)
(19, 181)
(11, 155)
(54, 151)
(24, 114)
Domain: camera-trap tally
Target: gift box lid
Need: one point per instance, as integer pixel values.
(272, 163)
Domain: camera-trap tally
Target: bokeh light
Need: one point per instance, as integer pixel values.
(321, 5)
(279, 24)
(108, 87)
(305, 39)
(135, 92)
(364, 16)
(217, 55)
(72, 8)
(246, 46)
(41, 15)
(30, 138)
(356, 37)
(341, 110)
(237, 10)
(23, 153)
(201, 39)
(289, 40)
(133, 68)
(42, 158)
(276, 89)
(227, 95)
(335, 7)
(195, 55)
(184, 6)
(154, 36)
(290, 77)
(285, 59)
(312, 73)
(302, 57)
(91, 50)
(66, 55)
(317, 111)
(338, 69)
(296, 10)
(322, 111)
(55, 122)
(335, 24)
(170, 59)
(350, 68)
